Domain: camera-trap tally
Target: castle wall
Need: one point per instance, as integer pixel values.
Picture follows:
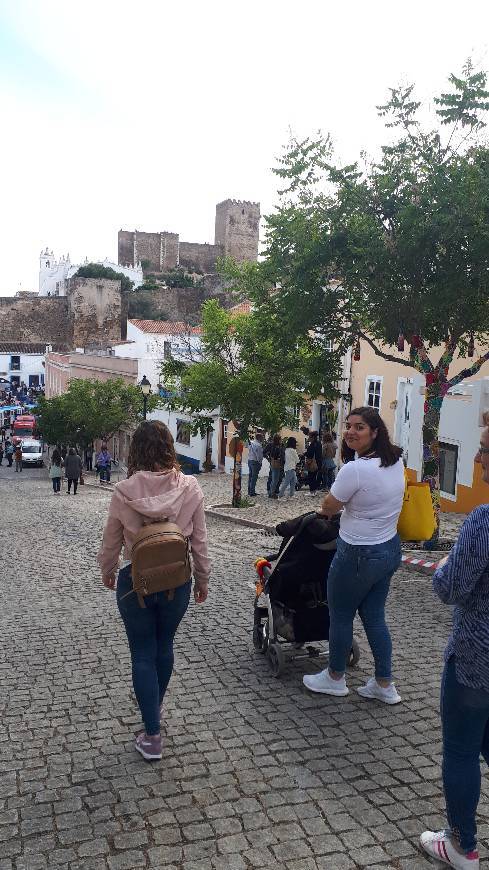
(95, 308)
(199, 258)
(42, 319)
(125, 248)
(237, 228)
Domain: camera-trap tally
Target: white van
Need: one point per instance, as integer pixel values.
(32, 452)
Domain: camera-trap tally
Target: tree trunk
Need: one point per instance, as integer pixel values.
(431, 448)
(237, 472)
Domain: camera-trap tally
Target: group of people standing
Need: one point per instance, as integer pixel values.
(318, 463)
(67, 461)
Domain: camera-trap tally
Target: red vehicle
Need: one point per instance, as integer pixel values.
(24, 427)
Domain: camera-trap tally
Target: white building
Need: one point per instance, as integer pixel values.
(22, 362)
(53, 273)
(153, 341)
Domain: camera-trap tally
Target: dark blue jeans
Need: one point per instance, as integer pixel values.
(465, 724)
(254, 470)
(359, 580)
(150, 632)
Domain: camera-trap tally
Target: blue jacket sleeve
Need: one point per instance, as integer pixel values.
(468, 560)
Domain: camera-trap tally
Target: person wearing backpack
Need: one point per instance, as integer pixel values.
(155, 492)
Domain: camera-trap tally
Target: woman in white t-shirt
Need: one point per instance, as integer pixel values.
(370, 488)
(290, 463)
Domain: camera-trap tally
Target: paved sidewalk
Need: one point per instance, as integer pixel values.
(256, 772)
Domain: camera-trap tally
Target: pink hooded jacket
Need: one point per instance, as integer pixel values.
(148, 496)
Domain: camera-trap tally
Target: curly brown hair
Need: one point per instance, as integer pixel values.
(152, 448)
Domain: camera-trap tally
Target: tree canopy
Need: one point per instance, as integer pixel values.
(247, 367)
(97, 270)
(90, 409)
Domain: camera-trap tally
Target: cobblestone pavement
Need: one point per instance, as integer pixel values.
(256, 772)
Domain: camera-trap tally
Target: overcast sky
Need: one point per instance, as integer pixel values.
(118, 114)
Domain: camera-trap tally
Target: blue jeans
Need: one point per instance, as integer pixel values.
(150, 632)
(328, 473)
(274, 479)
(254, 470)
(105, 473)
(465, 724)
(289, 480)
(359, 580)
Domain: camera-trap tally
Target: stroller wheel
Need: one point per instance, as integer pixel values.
(276, 659)
(354, 656)
(259, 638)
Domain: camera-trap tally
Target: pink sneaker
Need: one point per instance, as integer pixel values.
(438, 844)
(149, 747)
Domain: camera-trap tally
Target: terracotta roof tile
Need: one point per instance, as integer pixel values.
(17, 347)
(241, 308)
(165, 327)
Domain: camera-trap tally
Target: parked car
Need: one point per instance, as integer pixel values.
(32, 452)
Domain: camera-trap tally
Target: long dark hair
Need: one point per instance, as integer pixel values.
(152, 448)
(382, 448)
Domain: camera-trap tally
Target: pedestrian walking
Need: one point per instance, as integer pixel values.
(104, 464)
(314, 458)
(370, 487)
(88, 456)
(155, 488)
(276, 461)
(18, 457)
(329, 449)
(291, 461)
(1, 453)
(9, 452)
(255, 460)
(73, 469)
(56, 471)
(462, 581)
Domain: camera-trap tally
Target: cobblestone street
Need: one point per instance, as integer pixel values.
(256, 773)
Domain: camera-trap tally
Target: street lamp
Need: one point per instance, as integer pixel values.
(145, 389)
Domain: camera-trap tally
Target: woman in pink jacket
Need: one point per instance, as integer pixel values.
(154, 490)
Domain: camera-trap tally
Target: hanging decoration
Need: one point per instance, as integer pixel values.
(416, 341)
(471, 348)
(400, 342)
(357, 351)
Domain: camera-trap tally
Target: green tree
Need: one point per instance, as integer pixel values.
(96, 270)
(142, 304)
(395, 250)
(90, 409)
(248, 368)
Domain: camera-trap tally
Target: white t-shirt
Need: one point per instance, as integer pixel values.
(291, 458)
(373, 499)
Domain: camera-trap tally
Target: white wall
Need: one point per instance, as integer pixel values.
(460, 422)
(196, 450)
(30, 364)
(148, 349)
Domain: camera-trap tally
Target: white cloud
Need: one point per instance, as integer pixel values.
(149, 114)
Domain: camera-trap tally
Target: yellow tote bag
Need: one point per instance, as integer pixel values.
(417, 518)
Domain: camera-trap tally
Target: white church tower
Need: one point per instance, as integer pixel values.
(53, 274)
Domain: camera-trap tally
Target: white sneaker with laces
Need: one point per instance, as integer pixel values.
(438, 844)
(378, 693)
(324, 683)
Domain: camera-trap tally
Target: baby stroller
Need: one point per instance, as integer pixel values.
(291, 610)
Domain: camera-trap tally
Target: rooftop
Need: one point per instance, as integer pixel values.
(241, 308)
(17, 347)
(166, 327)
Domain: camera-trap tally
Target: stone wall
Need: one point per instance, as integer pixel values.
(237, 228)
(158, 251)
(199, 258)
(185, 303)
(42, 319)
(95, 310)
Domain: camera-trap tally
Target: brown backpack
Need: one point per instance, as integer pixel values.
(160, 560)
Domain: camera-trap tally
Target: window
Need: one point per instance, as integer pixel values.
(167, 350)
(373, 392)
(328, 345)
(183, 432)
(15, 363)
(448, 467)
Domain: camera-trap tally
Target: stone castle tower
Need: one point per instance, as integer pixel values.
(237, 231)
(237, 228)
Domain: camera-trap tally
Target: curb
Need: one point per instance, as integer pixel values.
(420, 566)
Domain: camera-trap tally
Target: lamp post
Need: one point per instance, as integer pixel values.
(145, 389)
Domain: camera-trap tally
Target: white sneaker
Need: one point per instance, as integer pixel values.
(438, 844)
(325, 684)
(373, 690)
